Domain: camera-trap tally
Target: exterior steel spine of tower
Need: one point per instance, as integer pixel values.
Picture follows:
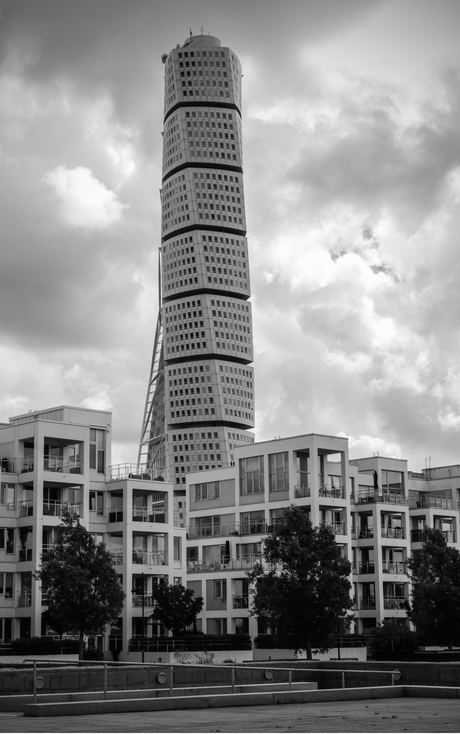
(200, 398)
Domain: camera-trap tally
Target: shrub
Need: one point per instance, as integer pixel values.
(35, 646)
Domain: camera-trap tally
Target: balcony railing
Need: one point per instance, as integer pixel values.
(394, 602)
(214, 530)
(142, 514)
(116, 515)
(117, 557)
(367, 602)
(397, 533)
(333, 492)
(129, 471)
(148, 600)
(25, 554)
(231, 564)
(371, 496)
(240, 602)
(157, 558)
(7, 464)
(58, 509)
(57, 464)
(431, 500)
(302, 490)
(366, 568)
(338, 528)
(26, 464)
(394, 567)
(26, 508)
(253, 527)
(365, 533)
(417, 535)
(25, 599)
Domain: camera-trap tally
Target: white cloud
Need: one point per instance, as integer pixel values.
(84, 201)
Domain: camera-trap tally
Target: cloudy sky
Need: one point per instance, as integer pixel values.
(352, 181)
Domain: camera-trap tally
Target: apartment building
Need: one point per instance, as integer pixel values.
(376, 508)
(58, 460)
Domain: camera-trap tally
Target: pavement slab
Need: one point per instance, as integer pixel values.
(384, 715)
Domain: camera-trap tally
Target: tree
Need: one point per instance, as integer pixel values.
(175, 607)
(305, 594)
(393, 635)
(435, 601)
(82, 587)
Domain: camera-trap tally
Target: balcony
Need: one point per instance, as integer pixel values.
(365, 533)
(148, 600)
(55, 508)
(396, 567)
(371, 496)
(396, 533)
(57, 464)
(395, 602)
(240, 602)
(25, 554)
(367, 602)
(116, 515)
(245, 563)
(147, 558)
(214, 530)
(26, 508)
(26, 464)
(129, 471)
(366, 568)
(7, 464)
(431, 500)
(142, 514)
(253, 527)
(302, 490)
(417, 535)
(338, 528)
(332, 492)
(25, 599)
(117, 557)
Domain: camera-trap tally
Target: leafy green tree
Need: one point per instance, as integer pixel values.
(305, 594)
(393, 636)
(434, 608)
(83, 590)
(175, 607)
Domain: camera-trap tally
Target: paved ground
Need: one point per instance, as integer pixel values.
(385, 715)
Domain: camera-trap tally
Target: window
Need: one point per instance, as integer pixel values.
(220, 589)
(96, 502)
(177, 549)
(9, 540)
(252, 475)
(6, 585)
(7, 495)
(207, 491)
(279, 471)
(6, 630)
(97, 450)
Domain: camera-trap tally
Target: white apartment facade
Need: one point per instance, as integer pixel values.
(57, 460)
(376, 508)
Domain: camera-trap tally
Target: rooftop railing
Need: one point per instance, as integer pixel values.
(129, 471)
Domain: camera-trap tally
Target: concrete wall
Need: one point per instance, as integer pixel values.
(347, 653)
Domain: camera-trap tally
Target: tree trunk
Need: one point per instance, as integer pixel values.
(81, 646)
(309, 651)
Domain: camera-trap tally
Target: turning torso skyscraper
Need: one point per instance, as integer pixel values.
(200, 397)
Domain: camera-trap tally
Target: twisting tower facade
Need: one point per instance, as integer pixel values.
(200, 397)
